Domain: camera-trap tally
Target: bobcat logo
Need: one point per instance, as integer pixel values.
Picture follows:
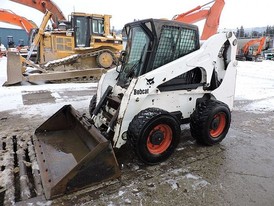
(150, 81)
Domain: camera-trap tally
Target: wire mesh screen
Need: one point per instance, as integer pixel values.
(174, 43)
(139, 41)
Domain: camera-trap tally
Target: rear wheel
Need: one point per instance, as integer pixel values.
(210, 122)
(154, 134)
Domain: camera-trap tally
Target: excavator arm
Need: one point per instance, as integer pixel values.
(212, 16)
(43, 6)
(9, 17)
(261, 42)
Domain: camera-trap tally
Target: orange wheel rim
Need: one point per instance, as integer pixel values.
(218, 125)
(164, 143)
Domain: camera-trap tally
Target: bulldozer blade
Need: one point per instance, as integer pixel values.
(14, 69)
(62, 75)
(72, 154)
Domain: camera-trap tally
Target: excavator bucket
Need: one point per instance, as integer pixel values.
(14, 68)
(72, 153)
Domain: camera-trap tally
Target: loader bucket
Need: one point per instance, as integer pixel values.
(14, 68)
(72, 153)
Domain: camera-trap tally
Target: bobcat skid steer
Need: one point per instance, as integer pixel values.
(165, 79)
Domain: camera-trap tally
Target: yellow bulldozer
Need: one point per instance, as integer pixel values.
(84, 46)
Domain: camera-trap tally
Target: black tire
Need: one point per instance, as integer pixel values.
(92, 104)
(210, 122)
(154, 134)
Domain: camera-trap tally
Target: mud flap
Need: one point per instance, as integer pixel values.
(72, 153)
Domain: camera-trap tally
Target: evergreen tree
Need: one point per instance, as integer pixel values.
(241, 32)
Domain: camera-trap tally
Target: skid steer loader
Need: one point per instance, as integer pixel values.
(165, 79)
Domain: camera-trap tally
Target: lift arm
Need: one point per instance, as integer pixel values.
(43, 6)
(9, 17)
(212, 16)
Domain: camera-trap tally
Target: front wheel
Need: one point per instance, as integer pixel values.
(154, 134)
(210, 122)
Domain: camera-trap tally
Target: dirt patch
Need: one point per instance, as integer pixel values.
(39, 97)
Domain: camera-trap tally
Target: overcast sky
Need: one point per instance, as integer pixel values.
(249, 13)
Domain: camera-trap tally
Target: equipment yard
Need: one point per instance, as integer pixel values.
(238, 171)
(156, 113)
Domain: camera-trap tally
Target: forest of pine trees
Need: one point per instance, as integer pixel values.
(241, 33)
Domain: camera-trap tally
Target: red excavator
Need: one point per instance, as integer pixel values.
(250, 51)
(7, 16)
(212, 16)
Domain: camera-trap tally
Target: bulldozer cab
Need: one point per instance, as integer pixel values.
(88, 26)
(152, 43)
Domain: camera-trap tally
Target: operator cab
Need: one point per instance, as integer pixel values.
(152, 43)
(86, 25)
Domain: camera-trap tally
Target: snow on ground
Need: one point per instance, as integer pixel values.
(11, 96)
(255, 81)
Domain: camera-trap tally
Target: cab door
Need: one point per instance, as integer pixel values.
(81, 31)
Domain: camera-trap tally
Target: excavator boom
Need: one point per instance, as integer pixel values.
(43, 6)
(10, 17)
(212, 16)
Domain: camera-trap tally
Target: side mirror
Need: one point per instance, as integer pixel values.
(123, 55)
(121, 59)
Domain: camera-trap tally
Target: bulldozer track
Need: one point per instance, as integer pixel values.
(70, 59)
(19, 167)
(76, 80)
(51, 65)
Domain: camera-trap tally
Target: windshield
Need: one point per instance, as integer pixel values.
(136, 49)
